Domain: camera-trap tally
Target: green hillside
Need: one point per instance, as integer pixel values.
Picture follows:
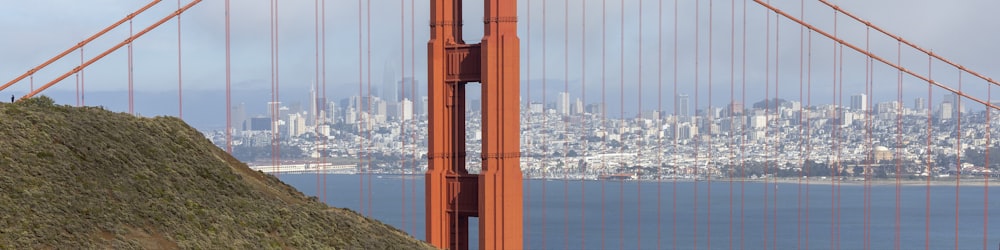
(75, 178)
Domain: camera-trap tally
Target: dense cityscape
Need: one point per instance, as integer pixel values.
(567, 139)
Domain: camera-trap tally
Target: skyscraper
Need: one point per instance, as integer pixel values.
(682, 105)
(563, 105)
(946, 110)
(956, 104)
(313, 108)
(389, 87)
(272, 107)
(407, 87)
(919, 104)
(859, 102)
(239, 115)
(577, 107)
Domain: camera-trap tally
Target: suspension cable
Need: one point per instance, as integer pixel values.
(34, 70)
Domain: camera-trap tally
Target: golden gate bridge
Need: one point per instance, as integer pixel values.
(799, 57)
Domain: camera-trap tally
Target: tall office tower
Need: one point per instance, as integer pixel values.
(296, 125)
(946, 110)
(859, 102)
(577, 107)
(421, 106)
(272, 107)
(331, 112)
(919, 104)
(682, 104)
(409, 88)
(956, 104)
(390, 88)
(239, 116)
(563, 105)
(313, 108)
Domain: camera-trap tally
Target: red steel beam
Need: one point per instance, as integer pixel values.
(880, 59)
(112, 49)
(79, 45)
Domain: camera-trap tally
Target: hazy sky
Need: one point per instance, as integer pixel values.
(962, 31)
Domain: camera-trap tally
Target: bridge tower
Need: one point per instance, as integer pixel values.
(453, 195)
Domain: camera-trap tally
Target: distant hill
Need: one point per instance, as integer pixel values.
(75, 178)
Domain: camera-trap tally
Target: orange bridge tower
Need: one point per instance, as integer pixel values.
(453, 194)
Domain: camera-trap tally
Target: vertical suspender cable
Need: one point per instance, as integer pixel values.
(83, 100)
(767, 122)
(621, 113)
(312, 102)
(77, 75)
(271, 105)
(697, 139)
(413, 94)
(528, 41)
(358, 120)
(777, 131)
(840, 136)
(899, 148)
(808, 138)
(986, 159)
(277, 77)
(798, 227)
(583, 95)
(180, 92)
(659, 126)
(329, 112)
(674, 173)
(402, 123)
(545, 123)
(927, 194)
(565, 178)
(77, 89)
(131, 109)
(833, 165)
(958, 151)
(642, 138)
(131, 72)
(732, 113)
(274, 103)
(413, 97)
(229, 124)
(869, 75)
(868, 151)
(604, 118)
(743, 99)
(368, 125)
(710, 116)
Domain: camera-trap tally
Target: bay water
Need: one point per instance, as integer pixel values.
(593, 214)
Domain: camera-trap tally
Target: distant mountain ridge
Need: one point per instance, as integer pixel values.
(84, 177)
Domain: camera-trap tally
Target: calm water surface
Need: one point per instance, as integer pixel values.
(686, 215)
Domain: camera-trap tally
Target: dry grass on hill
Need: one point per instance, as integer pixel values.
(89, 178)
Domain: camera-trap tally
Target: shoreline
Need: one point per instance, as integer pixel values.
(970, 182)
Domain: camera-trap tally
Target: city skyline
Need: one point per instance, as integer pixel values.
(403, 58)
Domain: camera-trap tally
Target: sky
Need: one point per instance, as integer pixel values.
(566, 45)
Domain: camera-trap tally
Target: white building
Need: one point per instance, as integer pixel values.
(562, 107)
(859, 102)
(406, 109)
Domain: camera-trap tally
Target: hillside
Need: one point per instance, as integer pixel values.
(75, 178)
